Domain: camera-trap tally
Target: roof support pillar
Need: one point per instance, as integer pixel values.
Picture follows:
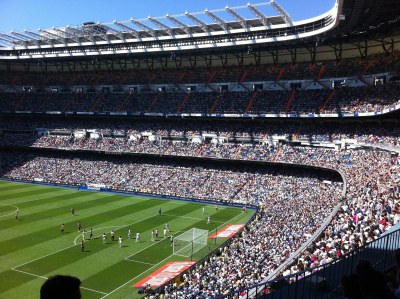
(293, 55)
(83, 65)
(26, 66)
(208, 60)
(363, 49)
(149, 63)
(239, 57)
(388, 47)
(135, 64)
(193, 61)
(109, 65)
(224, 59)
(178, 62)
(257, 57)
(164, 63)
(59, 66)
(275, 55)
(313, 53)
(71, 67)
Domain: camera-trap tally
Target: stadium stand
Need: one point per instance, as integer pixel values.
(242, 121)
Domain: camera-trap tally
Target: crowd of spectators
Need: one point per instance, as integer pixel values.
(171, 131)
(386, 134)
(139, 102)
(352, 67)
(304, 201)
(308, 101)
(371, 206)
(383, 63)
(182, 179)
(376, 63)
(380, 97)
(345, 100)
(200, 102)
(293, 203)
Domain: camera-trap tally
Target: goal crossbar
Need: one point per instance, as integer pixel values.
(190, 242)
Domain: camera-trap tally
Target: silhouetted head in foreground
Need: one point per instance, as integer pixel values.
(61, 287)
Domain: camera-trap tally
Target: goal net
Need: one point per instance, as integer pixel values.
(190, 242)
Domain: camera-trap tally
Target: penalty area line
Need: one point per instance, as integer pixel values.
(155, 264)
(47, 278)
(88, 232)
(139, 262)
(190, 218)
(119, 227)
(127, 258)
(136, 277)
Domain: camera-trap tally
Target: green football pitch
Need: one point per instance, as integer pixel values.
(33, 248)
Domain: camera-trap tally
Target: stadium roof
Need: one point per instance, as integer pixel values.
(367, 18)
(150, 27)
(347, 22)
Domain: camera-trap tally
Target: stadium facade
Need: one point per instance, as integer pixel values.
(353, 30)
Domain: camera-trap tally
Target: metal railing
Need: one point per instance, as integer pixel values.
(317, 233)
(324, 281)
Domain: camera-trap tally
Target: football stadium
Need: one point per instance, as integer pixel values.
(226, 153)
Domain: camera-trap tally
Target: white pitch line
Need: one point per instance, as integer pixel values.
(231, 220)
(191, 218)
(157, 264)
(93, 290)
(42, 198)
(127, 258)
(44, 256)
(10, 213)
(69, 246)
(139, 262)
(47, 278)
(135, 277)
(88, 232)
(120, 226)
(180, 201)
(29, 273)
(98, 236)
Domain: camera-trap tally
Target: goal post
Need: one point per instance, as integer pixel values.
(190, 242)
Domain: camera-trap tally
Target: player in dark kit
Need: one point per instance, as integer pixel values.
(16, 216)
(73, 211)
(91, 233)
(79, 226)
(112, 235)
(159, 212)
(62, 228)
(82, 246)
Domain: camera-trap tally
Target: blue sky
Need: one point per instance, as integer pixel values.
(18, 15)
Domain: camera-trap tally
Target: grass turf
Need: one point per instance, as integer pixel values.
(33, 248)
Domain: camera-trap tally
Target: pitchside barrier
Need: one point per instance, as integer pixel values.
(109, 190)
(325, 280)
(361, 114)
